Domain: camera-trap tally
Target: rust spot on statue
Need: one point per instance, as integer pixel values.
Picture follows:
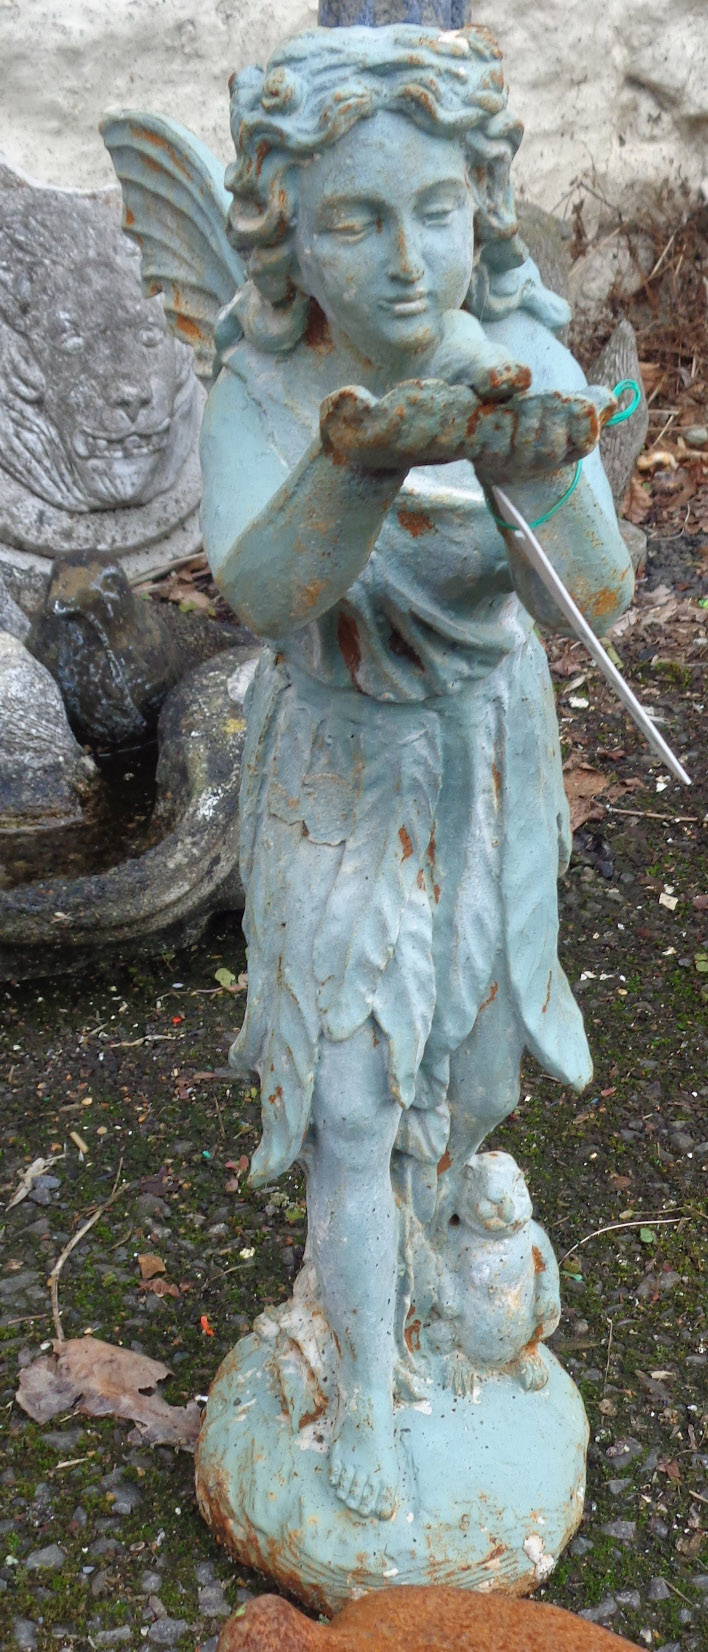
(496, 782)
(500, 380)
(406, 843)
(430, 851)
(539, 1265)
(420, 880)
(311, 1416)
(262, 151)
(436, 893)
(310, 594)
(189, 330)
(317, 333)
(404, 649)
(349, 645)
(604, 602)
(445, 1162)
(415, 522)
(160, 142)
(548, 992)
(411, 1333)
(494, 1554)
(276, 1095)
(493, 990)
(128, 218)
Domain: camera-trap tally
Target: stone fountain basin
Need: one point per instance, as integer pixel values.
(163, 897)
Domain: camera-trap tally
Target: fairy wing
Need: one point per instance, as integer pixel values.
(174, 206)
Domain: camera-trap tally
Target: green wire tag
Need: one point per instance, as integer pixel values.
(617, 418)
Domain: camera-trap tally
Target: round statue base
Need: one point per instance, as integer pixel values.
(492, 1485)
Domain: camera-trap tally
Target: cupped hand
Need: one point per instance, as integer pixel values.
(429, 422)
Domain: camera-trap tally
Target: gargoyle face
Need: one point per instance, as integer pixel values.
(101, 403)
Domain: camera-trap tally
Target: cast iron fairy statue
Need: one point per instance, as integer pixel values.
(391, 354)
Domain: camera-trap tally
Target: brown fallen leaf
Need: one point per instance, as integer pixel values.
(636, 505)
(582, 786)
(159, 1287)
(700, 903)
(85, 1374)
(149, 1265)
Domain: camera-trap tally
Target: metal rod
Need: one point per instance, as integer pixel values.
(554, 584)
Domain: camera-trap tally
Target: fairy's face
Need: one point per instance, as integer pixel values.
(384, 238)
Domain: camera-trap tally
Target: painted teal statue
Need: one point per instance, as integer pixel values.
(390, 354)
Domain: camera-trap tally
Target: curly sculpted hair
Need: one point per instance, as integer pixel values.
(315, 88)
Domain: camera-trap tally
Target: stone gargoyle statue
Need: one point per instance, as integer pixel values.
(99, 404)
(386, 354)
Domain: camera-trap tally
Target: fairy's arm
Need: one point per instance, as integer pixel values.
(286, 544)
(283, 545)
(582, 538)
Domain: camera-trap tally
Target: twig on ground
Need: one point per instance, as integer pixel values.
(219, 1116)
(611, 1324)
(681, 1596)
(53, 1280)
(661, 258)
(149, 1038)
(649, 814)
(71, 1462)
(92, 1031)
(612, 1227)
(26, 1319)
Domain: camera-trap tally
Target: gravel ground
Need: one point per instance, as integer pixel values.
(101, 1544)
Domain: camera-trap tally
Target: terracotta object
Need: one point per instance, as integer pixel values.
(417, 1620)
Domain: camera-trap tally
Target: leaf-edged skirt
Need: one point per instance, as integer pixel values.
(393, 854)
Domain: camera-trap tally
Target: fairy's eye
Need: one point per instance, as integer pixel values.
(438, 206)
(438, 215)
(354, 229)
(349, 220)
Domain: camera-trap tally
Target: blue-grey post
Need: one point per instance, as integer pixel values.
(441, 14)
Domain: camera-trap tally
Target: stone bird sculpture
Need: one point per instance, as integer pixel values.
(114, 654)
(417, 1620)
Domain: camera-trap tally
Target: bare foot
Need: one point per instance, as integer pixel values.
(363, 1467)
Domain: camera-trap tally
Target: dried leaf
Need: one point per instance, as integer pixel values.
(652, 375)
(28, 1178)
(659, 458)
(637, 502)
(150, 1265)
(582, 785)
(101, 1380)
(159, 1287)
(671, 1469)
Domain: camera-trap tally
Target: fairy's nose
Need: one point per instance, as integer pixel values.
(406, 260)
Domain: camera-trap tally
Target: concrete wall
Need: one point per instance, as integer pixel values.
(613, 91)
